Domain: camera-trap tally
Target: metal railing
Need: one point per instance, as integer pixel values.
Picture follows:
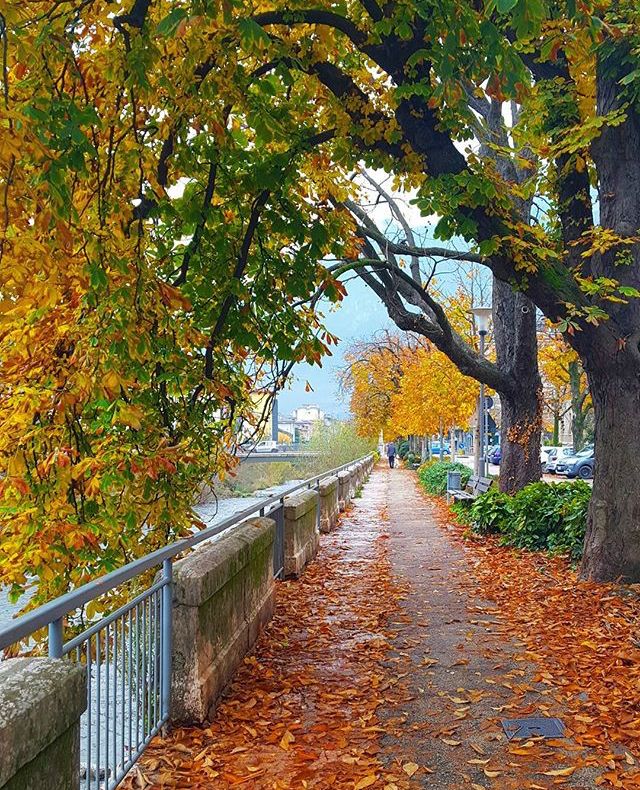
(127, 653)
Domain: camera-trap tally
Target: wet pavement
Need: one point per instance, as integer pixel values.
(463, 675)
(382, 668)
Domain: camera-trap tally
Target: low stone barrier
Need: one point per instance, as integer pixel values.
(353, 483)
(344, 489)
(329, 510)
(223, 594)
(301, 536)
(41, 701)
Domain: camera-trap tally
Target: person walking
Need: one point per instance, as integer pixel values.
(391, 454)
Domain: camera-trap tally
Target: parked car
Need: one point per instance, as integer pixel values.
(435, 448)
(494, 456)
(553, 456)
(579, 465)
(267, 446)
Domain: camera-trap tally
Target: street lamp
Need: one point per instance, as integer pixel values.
(482, 316)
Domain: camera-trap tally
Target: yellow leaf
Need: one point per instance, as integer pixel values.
(560, 771)
(366, 781)
(491, 774)
(410, 768)
(287, 739)
(131, 416)
(451, 742)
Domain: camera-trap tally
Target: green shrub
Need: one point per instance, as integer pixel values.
(403, 449)
(462, 513)
(541, 516)
(433, 475)
(491, 512)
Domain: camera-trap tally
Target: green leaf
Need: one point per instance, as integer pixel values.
(168, 26)
(504, 6)
(252, 34)
(629, 290)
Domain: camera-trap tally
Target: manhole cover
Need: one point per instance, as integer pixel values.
(533, 727)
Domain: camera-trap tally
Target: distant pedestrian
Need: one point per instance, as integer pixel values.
(391, 454)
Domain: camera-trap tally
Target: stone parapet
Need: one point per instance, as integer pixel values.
(223, 594)
(41, 701)
(301, 535)
(328, 490)
(344, 489)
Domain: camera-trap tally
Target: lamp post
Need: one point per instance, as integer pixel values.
(482, 316)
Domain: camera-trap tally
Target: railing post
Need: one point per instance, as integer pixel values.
(318, 506)
(165, 665)
(56, 639)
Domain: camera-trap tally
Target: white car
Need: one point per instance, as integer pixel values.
(267, 446)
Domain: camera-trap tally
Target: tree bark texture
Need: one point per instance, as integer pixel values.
(612, 542)
(514, 322)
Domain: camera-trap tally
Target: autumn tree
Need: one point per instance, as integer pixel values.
(434, 397)
(393, 81)
(413, 303)
(372, 372)
(390, 85)
(566, 385)
(157, 254)
(404, 386)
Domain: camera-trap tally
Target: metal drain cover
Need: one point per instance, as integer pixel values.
(533, 727)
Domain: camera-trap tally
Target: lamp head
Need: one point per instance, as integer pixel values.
(482, 316)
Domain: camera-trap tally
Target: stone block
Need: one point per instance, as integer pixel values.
(223, 594)
(344, 489)
(329, 510)
(301, 535)
(41, 701)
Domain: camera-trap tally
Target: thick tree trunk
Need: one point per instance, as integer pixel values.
(612, 543)
(520, 435)
(514, 321)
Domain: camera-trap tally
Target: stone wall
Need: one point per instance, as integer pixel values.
(329, 510)
(344, 489)
(301, 536)
(41, 701)
(223, 594)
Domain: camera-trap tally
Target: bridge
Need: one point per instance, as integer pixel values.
(282, 456)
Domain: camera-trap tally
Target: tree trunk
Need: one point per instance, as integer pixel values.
(556, 429)
(514, 321)
(612, 542)
(441, 440)
(577, 406)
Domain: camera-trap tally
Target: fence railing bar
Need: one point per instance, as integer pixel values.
(80, 638)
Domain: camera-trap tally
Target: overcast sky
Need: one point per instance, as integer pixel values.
(359, 316)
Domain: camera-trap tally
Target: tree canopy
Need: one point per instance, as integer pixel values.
(173, 172)
(157, 258)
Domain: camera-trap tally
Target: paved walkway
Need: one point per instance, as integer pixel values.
(463, 674)
(382, 668)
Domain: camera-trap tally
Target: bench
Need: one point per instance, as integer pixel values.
(475, 487)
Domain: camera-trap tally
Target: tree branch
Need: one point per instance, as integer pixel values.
(313, 16)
